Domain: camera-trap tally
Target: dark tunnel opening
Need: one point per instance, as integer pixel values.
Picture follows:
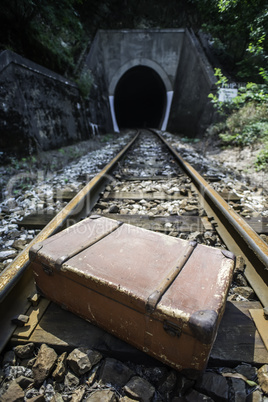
(140, 99)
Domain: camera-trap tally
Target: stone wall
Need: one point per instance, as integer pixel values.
(39, 110)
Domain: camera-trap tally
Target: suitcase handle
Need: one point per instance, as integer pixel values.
(154, 298)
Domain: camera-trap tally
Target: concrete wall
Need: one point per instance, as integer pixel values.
(158, 49)
(39, 109)
(174, 54)
(114, 52)
(191, 110)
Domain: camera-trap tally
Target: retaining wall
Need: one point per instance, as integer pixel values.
(39, 109)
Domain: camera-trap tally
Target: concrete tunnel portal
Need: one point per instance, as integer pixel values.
(157, 78)
(140, 98)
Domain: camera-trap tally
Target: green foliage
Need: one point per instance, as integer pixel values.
(56, 33)
(45, 31)
(262, 159)
(85, 82)
(239, 29)
(251, 92)
(246, 116)
(247, 135)
(247, 124)
(223, 107)
(106, 138)
(190, 140)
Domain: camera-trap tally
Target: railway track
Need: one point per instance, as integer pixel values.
(149, 185)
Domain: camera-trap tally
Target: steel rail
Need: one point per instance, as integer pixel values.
(16, 281)
(75, 208)
(237, 234)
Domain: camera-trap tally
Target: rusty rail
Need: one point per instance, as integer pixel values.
(81, 204)
(15, 279)
(239, 237)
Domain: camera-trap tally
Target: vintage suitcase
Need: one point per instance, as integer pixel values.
(163, 295)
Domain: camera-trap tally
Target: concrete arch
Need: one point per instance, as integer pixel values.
(140, 62)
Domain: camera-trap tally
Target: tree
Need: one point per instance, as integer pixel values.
(239, 29)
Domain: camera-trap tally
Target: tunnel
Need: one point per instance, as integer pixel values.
(140, 98)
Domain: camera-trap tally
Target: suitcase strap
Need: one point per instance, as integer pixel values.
(154, 298)
(61, 260)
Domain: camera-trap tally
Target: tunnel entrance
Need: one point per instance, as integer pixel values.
(140, 98)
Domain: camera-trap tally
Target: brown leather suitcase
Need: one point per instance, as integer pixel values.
(163, 295)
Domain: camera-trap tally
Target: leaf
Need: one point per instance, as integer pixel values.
(241, 377)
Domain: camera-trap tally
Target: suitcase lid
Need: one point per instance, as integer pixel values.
(62, 246)
(129, 264)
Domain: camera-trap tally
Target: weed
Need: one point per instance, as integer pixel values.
(190, 140)
(262, 160)
(106, 138)
(84, 83)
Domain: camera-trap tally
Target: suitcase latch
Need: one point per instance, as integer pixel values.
(47, 270)
(172, 329)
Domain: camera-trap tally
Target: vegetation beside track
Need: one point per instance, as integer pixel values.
(244, 119)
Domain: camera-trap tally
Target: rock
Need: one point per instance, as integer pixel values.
(2, 266)
(263, 378)
(57, 398)
(2, 375)
(264, 237)
(92, 375)
(61, 368)
(247, 370)
(104, 395)
(240, 280)
(213, 385)
(168, 385)
(44, 363)
(244, 291)
(24, 351)
(37, 398)
(139, 389)
(155, 375)
(71, 380)
(238, 389)
(24, 382)
(12, 372)
(28, 362)
(114, 372)
(14, 393)
(20, 320)
(196, 236)
(79, 361)
(9, 358)
(114, 209)
(94, 356)
(183, 384)
(190, 210)
(239, 265)
(78, 394)
(19, 244)
(194, 396)
(7, 254)
(255, 396)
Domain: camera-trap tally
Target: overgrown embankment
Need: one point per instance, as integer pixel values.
(244, 119)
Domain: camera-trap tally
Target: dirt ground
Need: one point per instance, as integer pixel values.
(242, 162)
